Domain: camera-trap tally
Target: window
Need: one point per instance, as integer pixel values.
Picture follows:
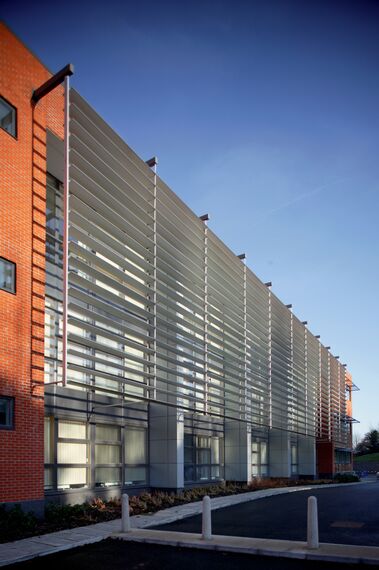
(135, 456)
(6, 412)
(108, 456)
(294, 459)
(72, 454)
(7, 275)
(259, 461)
(7, 117)
(203, 458)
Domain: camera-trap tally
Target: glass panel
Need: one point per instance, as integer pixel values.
(108, 433)
(7, 276)
(188, 440)
(135, 475)
(107, 476)
(48, 478)
(204, 472)
(72, 452)
(107, 453)
(72, 477)
(263, 452)
(202, 441)
(215, 472)
(189, 473)
(135, 446)
(71, 430)
(48, 441)
(6, 412)
(188, 455)
(203, 456)
(7, 117)
(215, 450)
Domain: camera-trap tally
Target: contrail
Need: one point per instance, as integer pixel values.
(300, 197)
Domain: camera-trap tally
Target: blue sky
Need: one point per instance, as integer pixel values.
(264, 115)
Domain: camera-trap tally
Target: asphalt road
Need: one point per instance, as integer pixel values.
(347, 515)
(119, 555)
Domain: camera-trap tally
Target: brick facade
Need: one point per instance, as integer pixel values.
(22, 241)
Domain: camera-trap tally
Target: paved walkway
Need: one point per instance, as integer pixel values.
(43, 545)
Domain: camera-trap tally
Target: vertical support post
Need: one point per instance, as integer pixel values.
(125, 516)
(247, 401)
(290, 421)
(319, 403)
(152, 163)
(306, 380)
(312, 524)
(270, 357)
(65, 226)
(329, 400)
(207, 519)
(206, 379)
(155, 282)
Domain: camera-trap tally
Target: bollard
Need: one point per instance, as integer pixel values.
(125, 517)
(312, 528)
(207, 519)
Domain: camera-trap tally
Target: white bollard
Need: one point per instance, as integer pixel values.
(312, 528)
(125, 517)
(207, 519)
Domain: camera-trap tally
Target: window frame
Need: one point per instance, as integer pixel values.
(14, 291)
(15, 136)
(11, 425)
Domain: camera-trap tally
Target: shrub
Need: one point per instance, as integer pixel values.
(14, 523)
(347, 477)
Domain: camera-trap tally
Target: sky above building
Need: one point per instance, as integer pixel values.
(263, 114)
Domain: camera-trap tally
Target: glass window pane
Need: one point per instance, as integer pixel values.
(215, 450)
(202, 441)
(107, 453)
(263, 452)
(72, 477)
(107, 476)
(215, 472)
(203, 456)
(7, 275)
(189, 473)
(7, 117)
(48, 441)
(135, 475)
(135, 446)
(48, 478)
(108, 433)
(188, 455)
(72, 452)
(188, 440)
(204, 472)
(6, 412)
(72, 430)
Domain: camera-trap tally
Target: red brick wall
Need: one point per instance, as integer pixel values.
(325, 457)
(22, 240)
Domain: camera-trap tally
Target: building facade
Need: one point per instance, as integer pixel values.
(157, 359)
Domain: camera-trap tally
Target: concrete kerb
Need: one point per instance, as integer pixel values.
(327, 552)
(25, 549)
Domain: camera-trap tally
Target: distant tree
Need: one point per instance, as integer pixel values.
(368, 444)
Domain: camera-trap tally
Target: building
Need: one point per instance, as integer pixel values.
(136, 350)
